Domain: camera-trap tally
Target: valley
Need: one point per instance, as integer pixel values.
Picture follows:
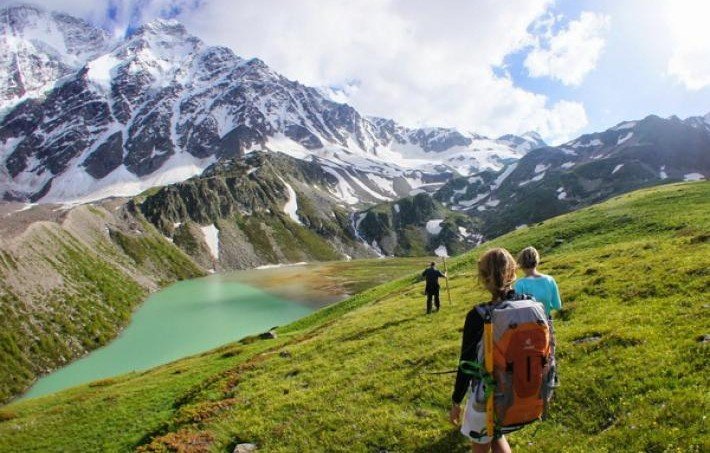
(196, 315)
(367, 357)
(164, 200)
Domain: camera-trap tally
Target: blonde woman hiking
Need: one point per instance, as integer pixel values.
(505, 363)
(543, 288)
(540, 286)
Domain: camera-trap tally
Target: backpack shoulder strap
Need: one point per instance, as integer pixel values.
(484, 309)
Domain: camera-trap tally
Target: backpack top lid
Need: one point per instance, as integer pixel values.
(513, 312)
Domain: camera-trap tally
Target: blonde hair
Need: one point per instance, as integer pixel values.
(496, 272)
(529, 258)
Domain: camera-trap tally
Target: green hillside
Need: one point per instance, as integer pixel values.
(634, 273)
(69, 286)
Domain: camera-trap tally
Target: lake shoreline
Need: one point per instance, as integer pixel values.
(302, 288)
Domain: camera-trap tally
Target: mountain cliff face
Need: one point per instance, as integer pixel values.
(110, 118)
(549, 181)
(271, 208)
(266, 208)
(416, 225)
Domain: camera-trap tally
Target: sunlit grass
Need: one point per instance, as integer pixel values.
(634, 276)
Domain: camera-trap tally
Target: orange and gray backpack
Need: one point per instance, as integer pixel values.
(515, 374)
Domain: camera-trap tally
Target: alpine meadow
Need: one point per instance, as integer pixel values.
(377, 226)
(631, 345)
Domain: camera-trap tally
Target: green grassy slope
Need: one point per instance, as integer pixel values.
(634, 275)
(63, 294)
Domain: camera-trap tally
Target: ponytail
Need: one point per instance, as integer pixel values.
(496, 272)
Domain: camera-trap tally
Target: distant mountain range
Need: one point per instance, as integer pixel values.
(265, 160)
(86, 117)
(552, 180)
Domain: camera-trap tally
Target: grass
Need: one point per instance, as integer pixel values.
(633, 273)
(156, 254)
(358, 275)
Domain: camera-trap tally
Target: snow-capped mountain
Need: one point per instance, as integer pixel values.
(524, 143)
(549, 181)
(161, 106)
(38, 48)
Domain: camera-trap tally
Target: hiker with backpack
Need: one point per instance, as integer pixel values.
(504, 367)
(431, 290)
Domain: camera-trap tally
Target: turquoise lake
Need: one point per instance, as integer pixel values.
(185, 318)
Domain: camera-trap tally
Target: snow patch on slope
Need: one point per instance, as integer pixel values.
(212, 239)
(693, 177)
(382, 183)
(343, 189)
(473, 201)
(291, 205)
(541, 167)
(624, 138)
(441, 251)
(533, 179)
(76, 186)
(590, 143)
(492, 203)
(100, 70)
(499, 180)
(434, 226)
(626, 125)
(662, 173)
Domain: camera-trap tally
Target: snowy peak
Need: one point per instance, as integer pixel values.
(161, 49)
(523, 143)
(163, 28)
(648, 131)
(65, 35)
(438, 139)
(535, 138)
(166, 40)
(38, 47)
(160, 106)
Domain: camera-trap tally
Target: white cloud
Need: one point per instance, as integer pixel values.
(573, 52)
(416, 61)
(691, 66)
(690, 36)
(419, 62)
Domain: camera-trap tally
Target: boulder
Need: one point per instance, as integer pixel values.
(268, 335)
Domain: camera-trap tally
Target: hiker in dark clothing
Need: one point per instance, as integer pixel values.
(432, 275)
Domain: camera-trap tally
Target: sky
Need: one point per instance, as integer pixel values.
(560, 68)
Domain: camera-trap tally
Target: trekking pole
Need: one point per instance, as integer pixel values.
(448, 292)
(488, 363)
